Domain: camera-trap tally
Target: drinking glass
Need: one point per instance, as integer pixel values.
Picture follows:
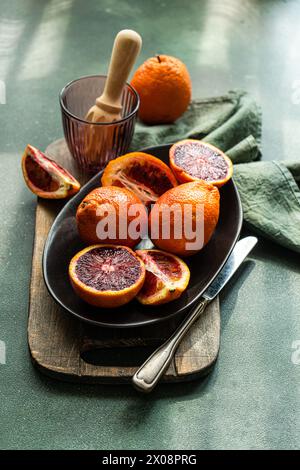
(93, 145)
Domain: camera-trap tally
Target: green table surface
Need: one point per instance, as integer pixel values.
(251, 399)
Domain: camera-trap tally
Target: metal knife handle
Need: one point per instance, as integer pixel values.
(153, 368)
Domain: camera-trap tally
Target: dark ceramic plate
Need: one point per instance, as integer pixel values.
(63, 242)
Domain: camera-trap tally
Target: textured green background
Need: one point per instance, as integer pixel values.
(251, 399)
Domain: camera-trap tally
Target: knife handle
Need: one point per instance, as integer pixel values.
(153, 368)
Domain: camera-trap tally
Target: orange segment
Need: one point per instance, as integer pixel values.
(145, 175)
(193, 160)
(167, 276)
(106, 276)
(46, 178)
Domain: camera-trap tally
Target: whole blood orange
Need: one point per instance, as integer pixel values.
(183, 219)
(167, 276)
(111, 215)
(147, 176)
(193, 160)
(164, 86)
(106, 275)
(46, 178)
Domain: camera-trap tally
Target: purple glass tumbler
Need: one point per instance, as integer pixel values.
(93, 145)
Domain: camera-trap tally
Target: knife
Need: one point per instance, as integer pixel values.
(148, 375)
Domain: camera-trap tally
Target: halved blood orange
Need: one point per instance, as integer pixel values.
(193, 160)
(106, 276)
(46, 178)
(145, 175)
(167, 276)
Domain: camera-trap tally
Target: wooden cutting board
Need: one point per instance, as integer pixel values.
(67, 349)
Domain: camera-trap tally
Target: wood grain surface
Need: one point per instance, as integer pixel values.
(65, 348)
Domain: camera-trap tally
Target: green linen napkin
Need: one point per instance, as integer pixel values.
(269, 190)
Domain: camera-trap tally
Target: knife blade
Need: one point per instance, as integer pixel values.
(239, 253)
(153, 368)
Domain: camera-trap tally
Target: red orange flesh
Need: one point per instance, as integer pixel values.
(145, 175)
(167, 276)
(46, 178)
(194, 160)
(106, 276)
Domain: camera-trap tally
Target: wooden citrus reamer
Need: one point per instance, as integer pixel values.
(108, 106)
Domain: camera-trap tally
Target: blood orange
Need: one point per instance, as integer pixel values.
(106, 275)
(164, 86)
(193, 160)
(46, 178)
(147, 176)
(118, 211)
(183, 219)
(167, 276)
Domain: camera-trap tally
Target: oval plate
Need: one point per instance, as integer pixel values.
(63, 242)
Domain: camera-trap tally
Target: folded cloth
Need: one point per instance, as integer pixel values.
(268, 189)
